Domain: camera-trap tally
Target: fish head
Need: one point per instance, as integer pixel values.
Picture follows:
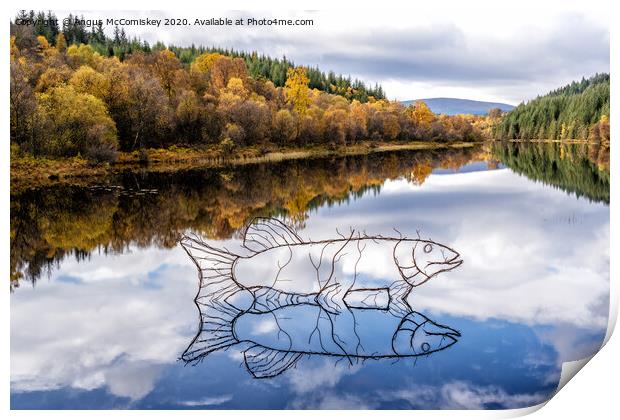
(430, 259)
(417, 336)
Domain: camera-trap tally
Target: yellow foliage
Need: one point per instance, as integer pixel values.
(235, 86)
(14, 49)
(284, 126)
(61, 43)
(166, 65)
(420, 172)
(52, 77)
(297, 89)
(188, 109)
(204, 62)
(82, 55)
(73, 121)
(87, 80)
(421, 114)
(43, 42)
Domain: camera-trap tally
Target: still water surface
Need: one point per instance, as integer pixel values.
(103, 308)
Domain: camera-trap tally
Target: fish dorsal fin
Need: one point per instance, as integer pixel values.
(267, 233)
(267, 363)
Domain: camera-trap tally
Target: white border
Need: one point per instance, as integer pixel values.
(593, 393)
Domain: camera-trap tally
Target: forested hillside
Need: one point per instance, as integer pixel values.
(259, 65)
(69, 99)
(579, 111)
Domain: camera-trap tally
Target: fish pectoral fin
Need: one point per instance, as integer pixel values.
(266, 233)
(262, 362)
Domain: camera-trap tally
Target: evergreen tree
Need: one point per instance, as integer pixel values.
(570, 112)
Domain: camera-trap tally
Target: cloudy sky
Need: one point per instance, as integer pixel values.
(492, 52)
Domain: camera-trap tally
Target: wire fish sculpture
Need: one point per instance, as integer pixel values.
(282, 269)
(277, 339)
(288, 298)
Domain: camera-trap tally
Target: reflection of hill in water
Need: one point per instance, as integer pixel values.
(582, 169)
(154, 208)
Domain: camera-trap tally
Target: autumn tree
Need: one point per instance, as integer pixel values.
(22, 102)
(190, 116)
(165, 66)
(61, 43)
(53, 76)
(358, 121)
(284, 127)
(297, 89)
(312, 126)
(225, 68)
(75, 123)
(421, 114)
(204, 62)
(87, 80)
(139, 105)
(82, 55)
(336, 125)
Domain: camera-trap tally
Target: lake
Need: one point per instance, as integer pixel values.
(102, 304)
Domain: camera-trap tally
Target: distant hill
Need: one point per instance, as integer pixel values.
(453, 106)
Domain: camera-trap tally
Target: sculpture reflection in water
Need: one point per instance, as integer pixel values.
(288, 298)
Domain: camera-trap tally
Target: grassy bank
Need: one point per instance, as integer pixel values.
(28, 171)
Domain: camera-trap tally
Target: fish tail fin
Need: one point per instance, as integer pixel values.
(220, 299)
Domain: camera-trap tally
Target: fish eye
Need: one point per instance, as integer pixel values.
(425, 346)
(428, 248)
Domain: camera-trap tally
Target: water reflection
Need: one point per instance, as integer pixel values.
(532, 294)
(153, 209)
(289, 298)
(576, 168)
(275, 341)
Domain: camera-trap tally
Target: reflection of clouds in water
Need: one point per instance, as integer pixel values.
(516, 267)
(265, 327)
(115, 321)
(459, 395)
(116, 332)
(327, 401)
(570, 342)
(454, 395)
(209, 401)
(134, 265)
(132, 379)
(319, 373)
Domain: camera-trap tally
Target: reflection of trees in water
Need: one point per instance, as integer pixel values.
(148, 209)
(582, 169)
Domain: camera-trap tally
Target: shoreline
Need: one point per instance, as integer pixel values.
(30, 172)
